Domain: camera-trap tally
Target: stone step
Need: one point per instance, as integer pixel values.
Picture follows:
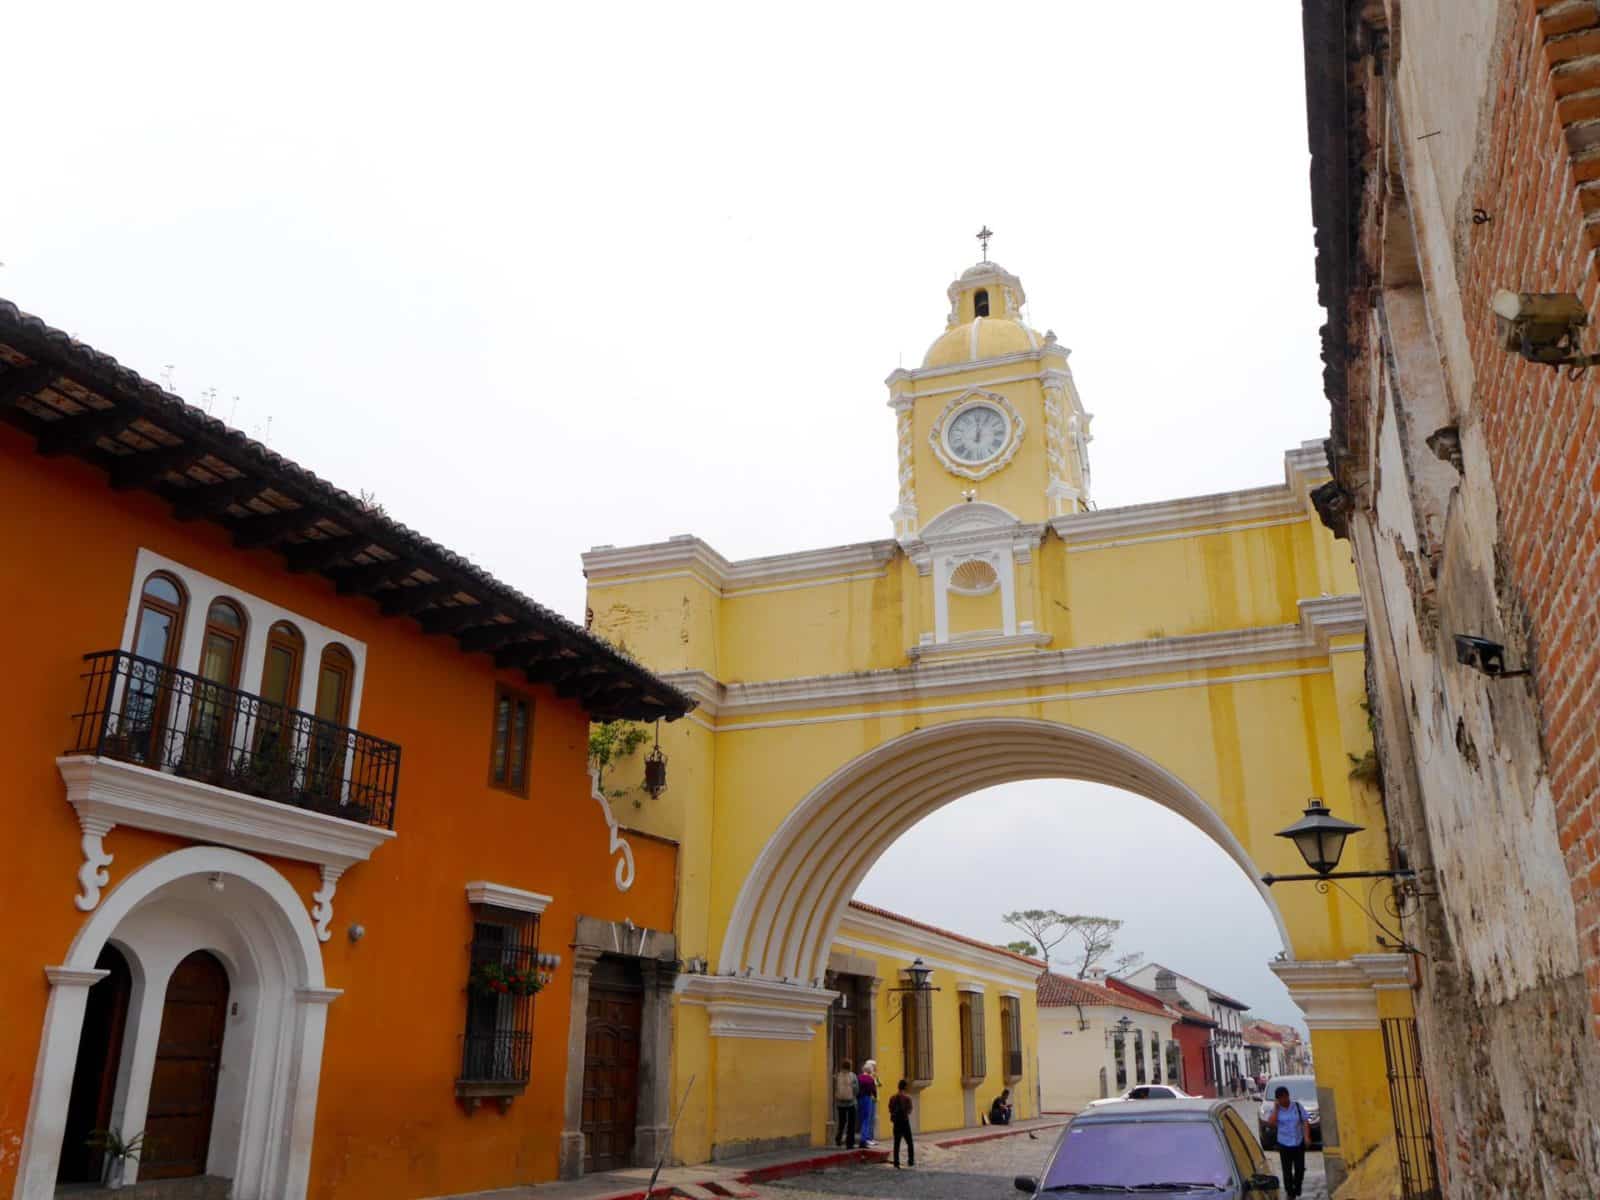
(195, 1187)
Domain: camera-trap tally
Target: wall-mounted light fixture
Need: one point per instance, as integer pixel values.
(1543, 327)
(1320, 838)
(655, 768)
(1483, 655)
(918, 981)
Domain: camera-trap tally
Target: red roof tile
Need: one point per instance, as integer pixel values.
(1056, 991)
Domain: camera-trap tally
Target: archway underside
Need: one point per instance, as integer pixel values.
(790, 906)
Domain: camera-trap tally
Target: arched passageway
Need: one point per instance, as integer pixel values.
(207, 937)
(789, 909)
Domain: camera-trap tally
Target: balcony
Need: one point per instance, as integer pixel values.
(140, 711)
(161, 749)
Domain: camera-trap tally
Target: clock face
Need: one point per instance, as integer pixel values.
(977, 434)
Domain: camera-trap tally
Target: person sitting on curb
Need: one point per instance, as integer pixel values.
(1000, 1110)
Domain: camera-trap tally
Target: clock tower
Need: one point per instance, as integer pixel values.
(991, 416)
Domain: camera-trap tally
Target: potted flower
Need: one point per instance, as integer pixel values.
(498, 979)
(116, 1152)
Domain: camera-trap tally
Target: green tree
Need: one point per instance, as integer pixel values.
(1045, 927)
(1027, 948)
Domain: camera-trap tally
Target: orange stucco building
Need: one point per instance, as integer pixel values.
(298, 803)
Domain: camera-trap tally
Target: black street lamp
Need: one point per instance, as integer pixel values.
(1320, 838)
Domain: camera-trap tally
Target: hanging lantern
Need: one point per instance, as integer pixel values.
(655, 768)
(1319, 836)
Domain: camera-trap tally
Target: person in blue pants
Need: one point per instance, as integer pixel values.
(867, 1102)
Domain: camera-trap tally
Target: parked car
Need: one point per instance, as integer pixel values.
(1146, 1091)
(1302, 1088)
(1162, 1148)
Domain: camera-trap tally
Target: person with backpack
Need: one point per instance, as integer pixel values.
(1291, 1127)
(846, 1090)
(900, 1119)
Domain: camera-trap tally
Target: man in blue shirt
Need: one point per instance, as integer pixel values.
(1292, 1126)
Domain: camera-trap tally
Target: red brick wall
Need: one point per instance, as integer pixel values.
(1542, 427)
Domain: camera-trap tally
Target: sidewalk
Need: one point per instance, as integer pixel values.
(733, 1177)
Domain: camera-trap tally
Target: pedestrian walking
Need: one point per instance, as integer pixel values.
(900, 1119)
(867, 1102)
(846, 1089)
(1291, 1126)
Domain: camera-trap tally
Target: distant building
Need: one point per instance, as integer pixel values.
(1194, 1031)
(1096, 1042)
(1226, 1051)
(971, 1033)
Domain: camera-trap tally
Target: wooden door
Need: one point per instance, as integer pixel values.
(183, 1088)
(94, 1081)
(611, 1068)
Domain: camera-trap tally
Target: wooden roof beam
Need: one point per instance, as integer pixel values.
(211, 500)
(524, 653)
(459, 616)
(492, 637)
(72, 434)
(252, 533)
(313, 556)
(401, 602)
(364, 578)
(22, 383)
(146, 466)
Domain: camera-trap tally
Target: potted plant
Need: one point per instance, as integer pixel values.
(116, 1152)
(498, 979)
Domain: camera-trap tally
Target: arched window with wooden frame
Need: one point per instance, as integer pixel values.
(157, 632)
(280, 695)
(336, 675)
(214, 709)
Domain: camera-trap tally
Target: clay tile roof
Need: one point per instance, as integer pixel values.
(1056, 991)
(954, 937)
(160, 442)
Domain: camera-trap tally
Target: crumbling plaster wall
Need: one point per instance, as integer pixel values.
(1504, 1008)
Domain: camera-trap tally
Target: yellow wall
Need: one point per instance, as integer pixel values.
(942, 1105)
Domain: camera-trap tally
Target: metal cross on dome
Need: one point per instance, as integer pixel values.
(984, 235)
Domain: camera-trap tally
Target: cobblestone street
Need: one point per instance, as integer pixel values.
(981, 1171)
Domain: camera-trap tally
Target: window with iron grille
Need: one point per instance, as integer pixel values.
(974, 1057)
(1138, 1056)
(503, 974)
(916, 1031)
(1011, 1036)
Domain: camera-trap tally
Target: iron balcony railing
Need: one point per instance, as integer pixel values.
(504, 1056)
(141, 711)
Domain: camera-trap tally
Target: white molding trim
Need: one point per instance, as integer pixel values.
(1341, 994)
(106, 794)
(1304, 467)
(607, 565)
(969, 985)
(1016, 430)
(991, 642)
(886, 936)
(284, 1065)
(260, 616)
(499, 895)
(617, 844)
(745, 1007)
(1321, 619)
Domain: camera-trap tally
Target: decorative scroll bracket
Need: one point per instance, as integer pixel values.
(92, 875)
(322, 908)
(618, 845)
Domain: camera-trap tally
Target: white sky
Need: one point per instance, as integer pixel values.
(546, 276)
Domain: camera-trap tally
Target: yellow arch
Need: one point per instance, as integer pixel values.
(789, 908)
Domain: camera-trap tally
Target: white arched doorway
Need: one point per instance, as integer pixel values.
(789, 908)
(242, 912)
